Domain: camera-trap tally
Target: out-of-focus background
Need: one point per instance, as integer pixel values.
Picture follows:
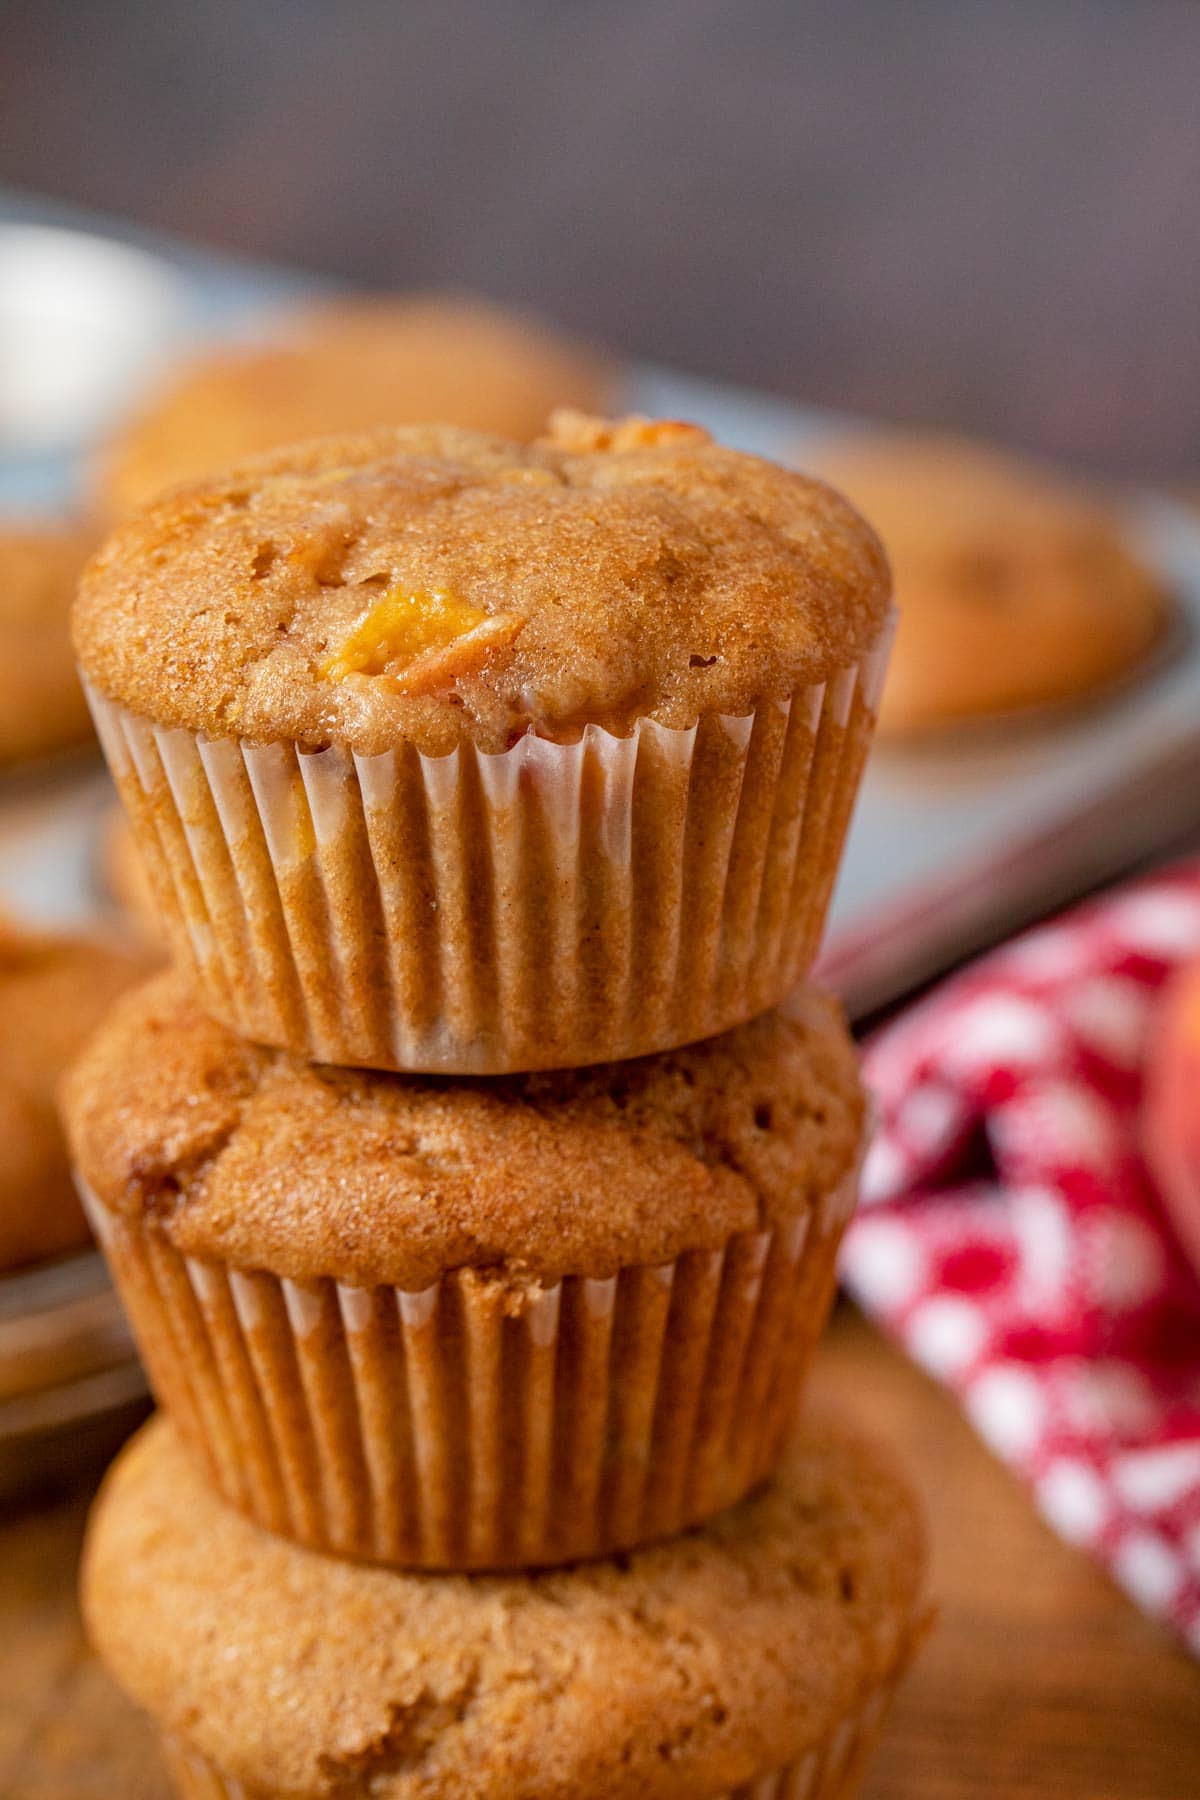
(949, 211)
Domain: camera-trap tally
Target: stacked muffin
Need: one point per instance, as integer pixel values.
(477, 784)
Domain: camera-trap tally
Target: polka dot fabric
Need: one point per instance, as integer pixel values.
(1011, 1239)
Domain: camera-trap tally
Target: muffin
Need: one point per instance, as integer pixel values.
(453, 756)
(53, 990)
(344, 367)
(42, 708)
(1016, 589)
(752, 1659)
(471, 1324)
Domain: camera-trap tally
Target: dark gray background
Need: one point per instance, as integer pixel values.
(960, 211)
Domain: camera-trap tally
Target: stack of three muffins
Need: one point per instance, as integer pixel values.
(474, 782)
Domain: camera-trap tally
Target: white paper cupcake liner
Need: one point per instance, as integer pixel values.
(552, 905)
(467, 1426)
(831, 1770)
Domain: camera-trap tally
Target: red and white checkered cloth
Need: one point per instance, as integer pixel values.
(1012, 1241)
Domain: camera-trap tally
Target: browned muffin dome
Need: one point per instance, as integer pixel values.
(682, 1670)
(349, 366)
(53, 990)
(1015, 587)
(262, 1160)
(435, 586)
(42, 707)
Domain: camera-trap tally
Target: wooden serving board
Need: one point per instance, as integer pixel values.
(1040, 1682)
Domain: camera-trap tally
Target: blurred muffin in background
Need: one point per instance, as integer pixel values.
(346, 367)
(53, 991)
(124, 878)
(42, 708)
(1015, 587)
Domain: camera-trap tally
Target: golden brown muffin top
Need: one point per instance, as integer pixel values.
(348, 366)
(53, 991)
(1015, 586)
(257, 1158)
(435, 586)
(680, 1670)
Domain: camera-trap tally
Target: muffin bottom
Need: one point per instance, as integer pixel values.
(463, 1427)
(549, 906)
(831, 1771)
(752, 1660)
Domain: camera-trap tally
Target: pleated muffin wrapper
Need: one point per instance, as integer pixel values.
(831, 1770)
(471, 1426)
(547, 906)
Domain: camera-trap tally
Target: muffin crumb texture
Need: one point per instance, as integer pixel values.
(680, 1670)
(435, 586)
(404, 1178)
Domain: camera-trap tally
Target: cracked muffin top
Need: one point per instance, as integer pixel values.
(434, 587)
(262, 1160)
(688, 1668)
(349, 366)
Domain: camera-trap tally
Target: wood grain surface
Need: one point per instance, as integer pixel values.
(1040, 1682)
(952, 212)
